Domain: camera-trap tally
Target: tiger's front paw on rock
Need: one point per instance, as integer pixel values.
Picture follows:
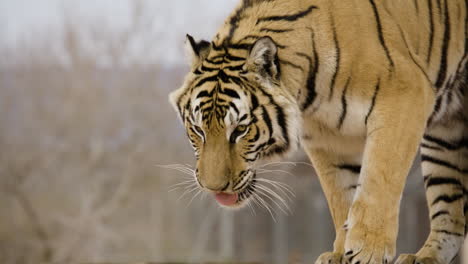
(364, 246)
(330, 258)
(414, 259)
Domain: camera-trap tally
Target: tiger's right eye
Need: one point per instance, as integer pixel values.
(239, 131)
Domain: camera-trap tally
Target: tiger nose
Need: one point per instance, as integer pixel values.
(216, 187)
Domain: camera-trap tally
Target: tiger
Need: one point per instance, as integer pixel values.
(364, 87)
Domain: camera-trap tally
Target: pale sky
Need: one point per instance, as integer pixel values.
(172, 19)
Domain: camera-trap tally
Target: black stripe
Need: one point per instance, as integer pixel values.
(464, 141)
(374, 97)
(430, 147)
(223, 77)
(230, 57)
(311, 77)
(439, 162)
(230, 92)
(277, 150)
(431, 30)
(226, 78)
(242, 118)
(436, 108)
(267, 120)
(292, 17)
(441, 142)
(233, 106)
(240, 46)
(380, 33)
(426, 177)
(448, 232)
(272, 30)
(234, 68)
(411, 55)
(344, 105)
(208, 69)
(442, 181)
(256, 136)
(256, 149)
(281, 119)
(350, 167)
(203, 94)
(254, 101)
(202, 81)
(338, 58)
(204, 103)
(235, 19)
(447, 198)
(443, 60)
(307, 57)
(439, 213)
(242, 186)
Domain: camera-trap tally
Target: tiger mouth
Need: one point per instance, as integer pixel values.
(239, 196)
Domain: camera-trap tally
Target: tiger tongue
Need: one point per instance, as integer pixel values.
(226, 199)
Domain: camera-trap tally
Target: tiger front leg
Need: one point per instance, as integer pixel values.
(394, 129)
(338, 175)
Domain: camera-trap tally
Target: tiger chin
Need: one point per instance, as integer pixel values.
(361, 86)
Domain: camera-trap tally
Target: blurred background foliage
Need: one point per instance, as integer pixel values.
(85, 122)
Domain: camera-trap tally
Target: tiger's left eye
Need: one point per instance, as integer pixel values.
(239, 131)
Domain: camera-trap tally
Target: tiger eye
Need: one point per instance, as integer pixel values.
(241, 128)
(237, 132)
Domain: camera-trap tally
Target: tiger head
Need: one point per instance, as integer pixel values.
(235, 112)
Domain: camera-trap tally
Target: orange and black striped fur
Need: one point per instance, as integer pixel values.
(361, 85)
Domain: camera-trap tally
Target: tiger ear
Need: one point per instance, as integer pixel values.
(197, 51)
(263, 58)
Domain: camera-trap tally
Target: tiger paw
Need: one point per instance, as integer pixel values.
(365, 246)
(330, 258)
(414, 259)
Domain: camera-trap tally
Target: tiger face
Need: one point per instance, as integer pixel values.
(235, 113)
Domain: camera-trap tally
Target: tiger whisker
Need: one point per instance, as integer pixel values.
(187, 192)
(291, 163)
(278, 163)
(184, 182)
(180, 185)
(280, 186)
(191, 200)
(274, 194)
(183, 170)
(263, 171)
(251, 207)
(283, 193)
(270, 195)
(265, 205)
(173, 166)
(179, 167)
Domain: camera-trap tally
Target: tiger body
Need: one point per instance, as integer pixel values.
(360, 85)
